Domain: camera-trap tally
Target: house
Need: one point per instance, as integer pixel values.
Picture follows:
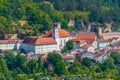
(102, 54)
(67, 57)
(100, 44)
(115, 49)
(87, 48)
(83, 38)
(111, 34)
(100, 57)
(39, 44)
(87, 55)
(77, 43)
(113, 40)
(10, 44)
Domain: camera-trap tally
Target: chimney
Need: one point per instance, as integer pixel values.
(58, 25)
(100, 31)
(89, 28)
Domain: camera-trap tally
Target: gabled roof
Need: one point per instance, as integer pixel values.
(40, 40)
(113, 38)
(65, 56)
(78, 41)
(49, 33)
(86, 36)
(61, 33)
(10, 41)
(85, 46)
(103, 41)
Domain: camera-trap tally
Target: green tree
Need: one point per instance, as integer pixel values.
(32, 66)
(86, 62)
(10, 60)
(4, 72)
(54, 58)
(20, 60)
(40, 64)
(68, 46)
(60, 68)
(116, 58)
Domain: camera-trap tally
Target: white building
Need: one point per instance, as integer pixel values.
(61, 36)
(10, 44)
(83, 38)
(53, 40)
(39, 44)
(87, 55)
(101, 57)
(87, 48)
(100, 44)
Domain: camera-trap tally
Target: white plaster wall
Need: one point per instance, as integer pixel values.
(45, 48)
(95, 44)
(91, 49)
(88, 55)
(102, 58)
(103, 44)
(7, 46)
(61, 41)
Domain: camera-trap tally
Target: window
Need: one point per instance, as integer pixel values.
(61, 42)
(64, 41)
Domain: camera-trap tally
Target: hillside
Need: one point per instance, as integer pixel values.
(39, 15)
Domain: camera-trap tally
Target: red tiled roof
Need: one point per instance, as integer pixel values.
(64, 56)
(82, 37)
(111, 39)
(61, 33)
(74, 39)
(78, 40)
(85, 47)
(40, 40)
(49, 33)
(10, 41)
(97, 54)
(86, 36)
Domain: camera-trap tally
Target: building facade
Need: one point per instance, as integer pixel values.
(10, 44)
(39, 44)
(61, 36)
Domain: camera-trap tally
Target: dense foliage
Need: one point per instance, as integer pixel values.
(39, 15)
(20, 68)
(68, 46)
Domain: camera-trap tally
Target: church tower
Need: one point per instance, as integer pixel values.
(55, 30)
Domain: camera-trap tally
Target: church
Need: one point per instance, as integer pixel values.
(53, 40)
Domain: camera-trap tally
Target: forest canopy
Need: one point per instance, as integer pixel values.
(39, 15)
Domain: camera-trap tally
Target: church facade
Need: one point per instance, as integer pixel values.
(53, 40)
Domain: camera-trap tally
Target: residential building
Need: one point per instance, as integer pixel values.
(10, 44)
(83, 38)
(100, 57)
(100, 44)
(39, 44)
(87, 55)
(111, 34)
(67, 57)
(87, 48)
